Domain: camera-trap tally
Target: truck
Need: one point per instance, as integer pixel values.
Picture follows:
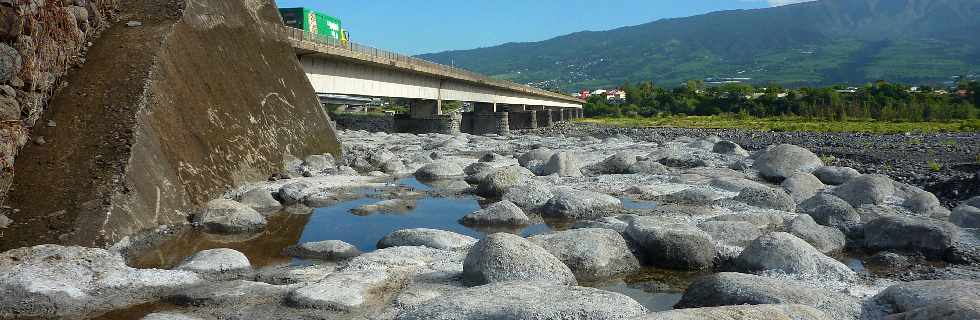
(315, 22)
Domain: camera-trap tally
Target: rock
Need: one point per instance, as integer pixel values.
(889, 260)
(499, 213)
(319, 162)
(440, 170)
(782, 161)
(477, 167)
(728, 147)
(867, 189)
(133, 24)
(926, 204)
(10, 62)
(261, 200)
(909, 296)
(288, 274)
(768, 198)
(293, 193)
(523, 300)
(563, 164)
(52, 281)
(672, 245)
(492, 157)
(385, 206)
(591, 254)
(964, 216)
(502, 179)
(694, 196)
(753, 312)
(759, 220)
(239, 292)
(228, 216)
(618, 223)
(217, 264)
(343, 291)
(10, 109)
(534, 159)
(735, 184)
(825, 239)
(931, 238)
(532, 196)
(4, 221)
(780, 251)
(802, 186)
(618, 163)
(323, 250)
(432, 238)
(648, 167)
(829, 210)
(955, 308)
(577, 204)
(730, 289)
(835, 176)
(169, 316)
(393, 166)
(504, 257)
(973, 202)
(732, 233)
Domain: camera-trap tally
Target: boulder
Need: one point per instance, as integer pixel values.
(825, 239)
(524, 300)
(618, 163)
(169, 316)
(870, 189)
(911, 296)
(293, 193)
(730, 289)
(52, 281)
(578, 204)
(735, 184)
(782, 161)
(672, 245)
(749, 312)
(973, 202)
(783, 252)
(318, 163)
(591, 254)
(829, 210)
(439, 170)
(728, 147)
(492, 157)
(802, 186)
(768, 198)
(953, 309)
(385, 206)
(835, 176)
(4, 221)
(731, 233)
(239, 292)
(564, 164)
(500, 180)
(504, 257)
(217, 264)
(761, 220)
(323, 250)
(261, 200)
(534, 159)
(925, 204)
(393, 166)
(648, 167)
(692, 196)
(531, 196)
(10, 62)
(499, 213)
(617, 223)
(432, 238)
(931, 238)
(966, 216)
(229, 216)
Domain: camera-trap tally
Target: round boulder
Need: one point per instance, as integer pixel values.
(439, 171)
(780, 251)
(931, 238)
(835, 176)
(825, 239)
(500, 180)
(966, 216)
(217, 264)
(504, 257)
(768, 198)
(563, 164)
(870, 189)
(782, 161)
(672, 245)
(591, 254)
(498, 213)
(432, 238)
(228, 216)
(530, 196)
(802, 186)
(578, 204)
(323, 250)
(829, 210)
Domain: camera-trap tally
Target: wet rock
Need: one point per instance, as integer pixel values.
(728, 147)
(504, 257)
(835, 176)
(782, 161)
(564, 164)
(323, 250)
(973, 202)
(618, 163)
(955, 308)
(912, 296)
(477, 167)
(591, 254)
(531, 196)
(768, 198)
(499, 213)
(749, 312)
(867, 189)
(217, 264)
(964, 216)
(829, 210)
(672, 245)
(802, 186)
(51, 281)
(931, 238)
(825, 239)
(648, 167)
(385, 206)
(732, 233)
(500, 180)
(523, 300)
(730, 289)
(432, 238)
(578, 204)
(439, 170)
(261, 200)
(786, 253)
(229, 216)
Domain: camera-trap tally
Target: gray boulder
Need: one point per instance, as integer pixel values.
(933, 299)
(323, 250)
(735, 184)
(618, 163)
(504, 257)
(534, 159)
(780, 251)
(802, 186)
(672, 245)
(925, 204)
(318, 163)
(293, 193)
(591, 254)
(4, 221)
(237, 292)
(835, 176)
(728, 147)
(782, 161)
(829, 210)
(731, 233)
(648, 167)
(617, 223)
(729, 289)
(385, 206)
(966, 216)
(261, 200)
(825, 239)
(870, 189)
(931, 238)
(10, 62)
(523, 300)
(578, 204)
(973, 202)
(229, 216)
(169, 316)
(747, 312)
(432, 238)
(564, 164)
(500, 180)
(217, 264)
(768, 198)
(393, 166)
(499, 213)
(531, 196)
(761, 220)
(694, 196)
(440, 170)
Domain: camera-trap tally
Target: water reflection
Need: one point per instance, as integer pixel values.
(656, 289)
(637, 204)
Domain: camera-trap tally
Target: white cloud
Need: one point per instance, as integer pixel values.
(776, 3)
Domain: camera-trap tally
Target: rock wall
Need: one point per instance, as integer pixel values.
(369, 123)
(176, 104)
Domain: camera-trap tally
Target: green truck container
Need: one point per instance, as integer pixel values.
(313, 22)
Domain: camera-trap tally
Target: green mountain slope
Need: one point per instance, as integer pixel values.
(813, 43)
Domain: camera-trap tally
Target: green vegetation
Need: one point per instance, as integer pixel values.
(934, 166)
(780, 124)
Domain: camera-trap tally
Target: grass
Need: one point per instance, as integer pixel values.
(934, 166)
(789, 124)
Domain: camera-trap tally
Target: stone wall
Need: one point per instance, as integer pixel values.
(519, 120)
(486, 123)
(366, 122)
(174, 106)
(446, 124)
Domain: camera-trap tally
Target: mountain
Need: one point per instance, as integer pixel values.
(812, 43)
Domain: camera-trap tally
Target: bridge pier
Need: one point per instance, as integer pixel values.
(425, 116)
(484, 107)
(544, 118)
(557, 115)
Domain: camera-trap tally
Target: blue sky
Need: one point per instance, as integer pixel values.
(424, 26)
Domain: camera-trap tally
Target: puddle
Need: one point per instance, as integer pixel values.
(414, 184)
(637, 204)
(656, 289)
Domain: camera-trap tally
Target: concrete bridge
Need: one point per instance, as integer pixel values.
(499, 106)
